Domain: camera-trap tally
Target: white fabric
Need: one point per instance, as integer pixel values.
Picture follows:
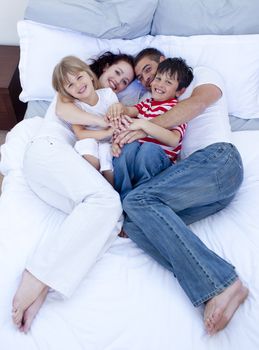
(64, 180)
(100, 150)
(127, 301)
(213, 124)
(55, 126)
(235, 57)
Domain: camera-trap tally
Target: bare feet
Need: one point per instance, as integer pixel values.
(32, 311)
(220, 309)
(29, 290)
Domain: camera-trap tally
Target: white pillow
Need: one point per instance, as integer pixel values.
(235, 57)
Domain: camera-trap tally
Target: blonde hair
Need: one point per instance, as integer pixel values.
(70, 65)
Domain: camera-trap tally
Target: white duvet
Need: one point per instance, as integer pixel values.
(127, 301)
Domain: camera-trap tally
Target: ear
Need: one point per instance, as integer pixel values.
(161, 59)
(106, 67)
(180, 92)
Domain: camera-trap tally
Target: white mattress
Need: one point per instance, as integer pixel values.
(127, 301)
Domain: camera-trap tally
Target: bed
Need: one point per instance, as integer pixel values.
(128, 301)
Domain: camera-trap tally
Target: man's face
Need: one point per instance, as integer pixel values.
(145, 71)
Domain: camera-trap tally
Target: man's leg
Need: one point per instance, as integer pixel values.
(207, 176)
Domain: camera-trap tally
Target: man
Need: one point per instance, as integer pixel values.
(203, 183)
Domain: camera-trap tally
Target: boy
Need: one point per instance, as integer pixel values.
(172, 78)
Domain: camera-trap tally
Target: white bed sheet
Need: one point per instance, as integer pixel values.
(127, 301)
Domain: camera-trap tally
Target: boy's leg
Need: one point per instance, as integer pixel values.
(150, 161)
(137, 164)
(123, 167)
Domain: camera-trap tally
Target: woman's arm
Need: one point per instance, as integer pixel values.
(82, 133)
(165, 136)
(69, 112)
(202, 97)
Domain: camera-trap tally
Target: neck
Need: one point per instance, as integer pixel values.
(92, 99)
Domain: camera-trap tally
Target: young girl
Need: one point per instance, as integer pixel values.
(75, 82)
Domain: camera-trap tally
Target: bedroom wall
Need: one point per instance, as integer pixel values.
(10, 12)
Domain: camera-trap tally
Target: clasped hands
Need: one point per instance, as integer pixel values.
(126, 129)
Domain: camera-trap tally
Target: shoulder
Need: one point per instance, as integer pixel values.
(207, 75)
(204, 76)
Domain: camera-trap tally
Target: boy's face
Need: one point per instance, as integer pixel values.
(145, 71)
(164, 87)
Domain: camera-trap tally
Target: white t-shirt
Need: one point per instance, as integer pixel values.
(106, 97)
(213, 124)
(55, 127)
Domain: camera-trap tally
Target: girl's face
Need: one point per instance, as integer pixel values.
(80, 86)
(117, 76)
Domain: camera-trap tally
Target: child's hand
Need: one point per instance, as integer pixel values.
(116, 150)
(131, 124)
(114, 114)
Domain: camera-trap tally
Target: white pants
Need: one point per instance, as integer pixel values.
(100, 150)
(63, 179)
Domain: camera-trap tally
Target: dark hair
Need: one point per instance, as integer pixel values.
(150, 52)
(177, 66)
(108, 59)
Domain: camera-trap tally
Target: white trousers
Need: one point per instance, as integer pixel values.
(98, 149)
(63, 179)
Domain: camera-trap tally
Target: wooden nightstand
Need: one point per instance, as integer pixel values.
(11, 108)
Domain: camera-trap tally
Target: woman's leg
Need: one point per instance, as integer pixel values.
(208, 176)
(63, 179)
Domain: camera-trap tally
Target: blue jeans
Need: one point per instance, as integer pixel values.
(137, 165)
(159, 210)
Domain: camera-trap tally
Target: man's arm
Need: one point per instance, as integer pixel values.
(202, 97)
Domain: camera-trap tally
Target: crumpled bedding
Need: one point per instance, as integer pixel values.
(127, 301)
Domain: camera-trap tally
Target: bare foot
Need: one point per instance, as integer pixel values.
(32, 311)
(220, 309)
(28, 291)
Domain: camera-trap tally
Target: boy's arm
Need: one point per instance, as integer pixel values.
(165, 136)
(69, 112)
(82, 133)
(202, 97)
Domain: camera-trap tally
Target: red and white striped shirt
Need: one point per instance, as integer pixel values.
(150, 109)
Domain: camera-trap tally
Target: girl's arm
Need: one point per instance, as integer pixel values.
(165, 136)
(69, 112)
(82, 133)
(118, 109)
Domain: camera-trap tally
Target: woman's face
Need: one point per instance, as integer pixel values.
(117, 76)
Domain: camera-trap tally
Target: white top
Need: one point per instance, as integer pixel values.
(55, 127)
(213, 124)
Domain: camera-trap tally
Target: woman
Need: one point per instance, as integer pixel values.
(63, 179)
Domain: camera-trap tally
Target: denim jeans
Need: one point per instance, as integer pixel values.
(137, 165)
(158, 212)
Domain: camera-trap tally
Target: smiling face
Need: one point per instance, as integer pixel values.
(145, 71)
(80, 86)
(164, 87)
(117, 76)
